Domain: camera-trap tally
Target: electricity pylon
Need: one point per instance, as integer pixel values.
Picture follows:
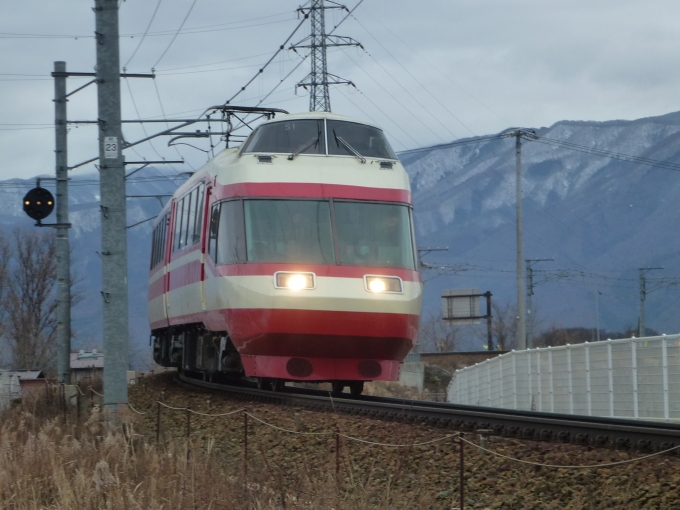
(319, 78)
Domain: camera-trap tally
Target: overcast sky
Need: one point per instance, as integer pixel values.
(432, 71)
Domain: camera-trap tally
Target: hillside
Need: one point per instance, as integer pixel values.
(600, 216)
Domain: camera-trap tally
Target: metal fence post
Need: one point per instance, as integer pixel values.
(501, 382)
(531, 390)
(488, 382)
(633, 349)
(476, 383)
(664, 365)
(587, 353)
(540, 382)
(610, 376)
(514, 378)
(550, 374)
(571, 383)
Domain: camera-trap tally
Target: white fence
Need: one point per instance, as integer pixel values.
(628, 378)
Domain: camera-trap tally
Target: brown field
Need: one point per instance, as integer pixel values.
(53, 460)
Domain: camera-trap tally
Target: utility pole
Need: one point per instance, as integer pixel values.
(62, 241)
(521, 327)
(530, 292)
(319, 78)
(112, 193)
(597, 313)
(643, 296)
(518, 134)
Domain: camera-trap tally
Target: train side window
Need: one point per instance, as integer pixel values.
(164, 237)
(231, 240)
(199, 214)
(154, 247)
(163, 226)
(188, 221)
(212, 236)
(178, 224)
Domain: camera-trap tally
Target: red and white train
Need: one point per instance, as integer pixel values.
(291, 258)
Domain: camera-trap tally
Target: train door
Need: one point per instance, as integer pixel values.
(168, 257)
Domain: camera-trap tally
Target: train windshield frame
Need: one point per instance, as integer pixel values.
(321, 137)
(321, 231)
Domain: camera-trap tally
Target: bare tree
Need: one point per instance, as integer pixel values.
(438, 335)
(504, 326)
(5, 254)
(30, 301)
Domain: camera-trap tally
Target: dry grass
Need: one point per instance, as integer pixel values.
(49, 460)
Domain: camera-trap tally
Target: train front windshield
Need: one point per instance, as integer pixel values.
(362, 233)
(307, 136)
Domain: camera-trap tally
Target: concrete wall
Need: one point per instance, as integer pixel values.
(452, 361)
(413, 375)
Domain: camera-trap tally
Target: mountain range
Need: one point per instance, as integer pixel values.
(600, 219)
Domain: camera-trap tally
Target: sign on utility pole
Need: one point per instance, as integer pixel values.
(112, 193)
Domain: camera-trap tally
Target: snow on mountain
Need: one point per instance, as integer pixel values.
(602, 217)
(597, 215)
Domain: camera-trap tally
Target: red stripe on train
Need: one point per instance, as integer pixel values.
(309, 190)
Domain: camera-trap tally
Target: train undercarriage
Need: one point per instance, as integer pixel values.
(212, 356)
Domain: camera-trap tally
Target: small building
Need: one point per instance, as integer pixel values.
(15, 384)
(86, 365)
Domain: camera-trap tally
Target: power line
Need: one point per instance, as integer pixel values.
(153, 16)
(401, 103)
(176, 34)
(414, 78)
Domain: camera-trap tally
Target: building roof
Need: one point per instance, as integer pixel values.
(23, 374)
(85, 360)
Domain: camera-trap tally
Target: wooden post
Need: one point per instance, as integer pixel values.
(91, 397)
(158, 423)
(78, 405)
(245, 446)
(188, 434)
(63, 401)
(462, 472)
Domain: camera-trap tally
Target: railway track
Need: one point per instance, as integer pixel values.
(595, 431)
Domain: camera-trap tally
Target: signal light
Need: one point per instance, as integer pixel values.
(38, 203)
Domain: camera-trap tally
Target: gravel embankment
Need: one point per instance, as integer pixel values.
(417, 477)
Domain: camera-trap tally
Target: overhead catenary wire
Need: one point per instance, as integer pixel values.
(153, 16)
(176, 34)
(415, 79)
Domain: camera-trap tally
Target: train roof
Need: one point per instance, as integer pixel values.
(333, 171)
(321, 115)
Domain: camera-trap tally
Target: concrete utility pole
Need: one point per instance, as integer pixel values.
(643, 296)
(63, 246)
(112, 193)
(597, 313)
(521, 326)
(530, 292)
(518, 134)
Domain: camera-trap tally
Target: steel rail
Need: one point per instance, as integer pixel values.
(577, 429)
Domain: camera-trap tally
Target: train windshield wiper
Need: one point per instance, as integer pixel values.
(305, 146)
(349, 147)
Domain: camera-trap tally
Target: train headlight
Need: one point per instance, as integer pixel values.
(383, 284)
(294, 281)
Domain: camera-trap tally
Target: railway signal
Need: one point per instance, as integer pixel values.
(38, 204)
